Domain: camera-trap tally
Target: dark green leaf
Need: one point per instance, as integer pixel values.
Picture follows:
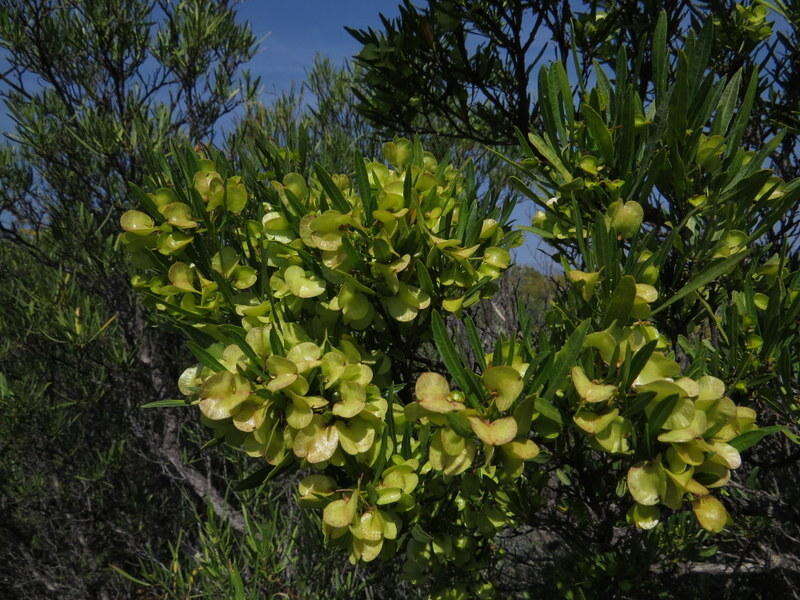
(165, 403)
(709, 275)
(452, 360)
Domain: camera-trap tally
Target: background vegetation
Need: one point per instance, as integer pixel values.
(103, 500)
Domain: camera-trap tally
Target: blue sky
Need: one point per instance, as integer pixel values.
(292, 32)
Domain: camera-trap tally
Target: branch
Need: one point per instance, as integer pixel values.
(200, 484)
(773, 562)
(169, 448)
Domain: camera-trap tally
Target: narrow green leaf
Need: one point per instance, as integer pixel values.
(603, 88)
(743, 115)
(547, 151)
(204, 357)
(621, 304)
(565, 91)
(459, 424)
(704, 278)
(660, 415)
(726, 104)
(475, 341)
(128, 576)
(364, 190)
(425, 281)
(638, 361)
(751, 438)
(165, 403)
(600, 134)
(236, 583)
(452, 360)
(660, 57)
(333, 192)
(565, 358)
(547, 410)
(546, 104)
(262, 475)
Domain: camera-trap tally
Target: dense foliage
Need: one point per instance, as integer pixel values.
(307, 301)
(366, 358)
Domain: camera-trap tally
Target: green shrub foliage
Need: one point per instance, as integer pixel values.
(309, 299)
(299, 293)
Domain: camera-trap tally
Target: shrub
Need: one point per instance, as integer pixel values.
(308, 300)
(305, 306)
